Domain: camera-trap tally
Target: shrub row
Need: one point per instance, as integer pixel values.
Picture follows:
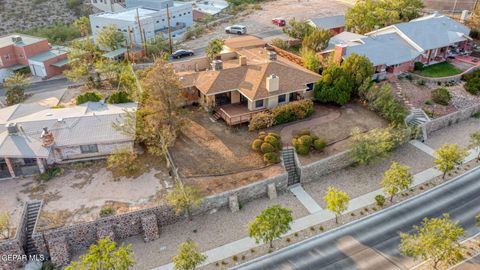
(269, 144)
(382, 100)
(88, 96)
(119, 97)
(472, 84)
(282, 114)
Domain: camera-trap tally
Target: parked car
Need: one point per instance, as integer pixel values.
(279, 21)
(236, 29)
(182, 53)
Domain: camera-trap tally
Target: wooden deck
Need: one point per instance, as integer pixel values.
(235, 114)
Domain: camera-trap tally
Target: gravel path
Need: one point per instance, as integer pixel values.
(359, 180)
(213, 230)
(457, 133)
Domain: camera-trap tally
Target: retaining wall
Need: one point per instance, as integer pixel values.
(311, 172)
(454, 78)
(451, 118)
(15, 246)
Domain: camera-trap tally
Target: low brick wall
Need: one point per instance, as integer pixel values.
(451, 119)
(15, 246)
(313, 171)
(454, 78)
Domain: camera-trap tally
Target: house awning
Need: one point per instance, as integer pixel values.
(60, 63)
(114, 54)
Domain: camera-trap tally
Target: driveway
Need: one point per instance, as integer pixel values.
(358, 246)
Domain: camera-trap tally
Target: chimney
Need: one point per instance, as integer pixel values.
(273, 83)
(242, 60)
(217, 65)
(272, 56)
(12, 128)
(339, 52)
(47, 137)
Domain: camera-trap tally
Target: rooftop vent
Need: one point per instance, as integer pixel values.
(12, 128)
(217, 65)
(16, 39)
(272, 56)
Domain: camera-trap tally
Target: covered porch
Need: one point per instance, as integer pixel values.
(17, 167)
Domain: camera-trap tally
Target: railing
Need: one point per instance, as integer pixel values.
(237, 119)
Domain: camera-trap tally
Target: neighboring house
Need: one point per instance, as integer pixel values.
(203, 8)
(33, 136)
(22, 51)
(246, 80)
(146, 19)
(336, 24)
(396, 48)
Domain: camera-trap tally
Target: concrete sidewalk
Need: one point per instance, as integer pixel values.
(305, 199)
(245, 244)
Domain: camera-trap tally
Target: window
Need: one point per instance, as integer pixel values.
(259, 103)
(89, 148)
(309, 87)
(282, 98)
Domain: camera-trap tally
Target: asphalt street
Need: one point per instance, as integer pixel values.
(372, 242)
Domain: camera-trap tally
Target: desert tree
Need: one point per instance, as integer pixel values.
(448, 156)
(437, 239)
(110, 38)
(188, 256)
(183, 198)
(317, 40)
(337, 201)
(396, 179)
(15, 85)
(475, 142)
(359, 68)
(214, 47)
(270, 224)
(105, 255)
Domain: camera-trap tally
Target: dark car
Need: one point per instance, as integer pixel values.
(181, 54)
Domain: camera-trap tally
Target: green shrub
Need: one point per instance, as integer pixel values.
(476, 115)
(441, 96)
(293, 111)
(302, 149)
(119, 97)
(380, 199)
(319, 144)
(428, 102)
(256, 144)
(88, 96)
(267, 148)
(474, 33)
(269, 144)
(106, 211)
(305, 140)
(419, 66)
(50, 173)
(473, 83)
(123, 161)
(382, 100)
(261, 120)
(271, 157)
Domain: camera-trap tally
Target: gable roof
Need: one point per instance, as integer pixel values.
(89, 123)
(328, 22)
(250, 80)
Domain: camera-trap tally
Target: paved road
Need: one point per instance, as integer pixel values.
(372, 242)
(44, 86)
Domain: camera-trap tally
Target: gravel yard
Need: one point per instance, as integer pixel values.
(212, 230)
(359, 180)
(457, 133)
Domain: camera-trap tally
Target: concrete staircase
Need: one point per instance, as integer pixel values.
(417, 118)
(33, 211)
(288, 156)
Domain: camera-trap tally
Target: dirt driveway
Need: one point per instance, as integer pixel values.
(260, 21)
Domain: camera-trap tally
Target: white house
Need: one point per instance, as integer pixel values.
(148, 18)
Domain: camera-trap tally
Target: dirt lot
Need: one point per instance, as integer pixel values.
(217, 157)
(260, 21)
(83, 189)
(334, 124)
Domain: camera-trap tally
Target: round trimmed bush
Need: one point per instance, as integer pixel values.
(306, 140)
(273, 141)
(256, 144)
(302, 149)
(473, 85)
(319, 144)
(271, 157)
(441, 96)
(276, 135)
(267, 148)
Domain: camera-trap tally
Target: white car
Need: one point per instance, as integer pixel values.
(236, 29)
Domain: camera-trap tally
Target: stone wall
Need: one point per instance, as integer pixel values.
(451, 119)
(15, 246)
(74, 152)
(313, 171)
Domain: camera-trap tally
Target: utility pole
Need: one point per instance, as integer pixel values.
(142, 41)
(169, 30)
